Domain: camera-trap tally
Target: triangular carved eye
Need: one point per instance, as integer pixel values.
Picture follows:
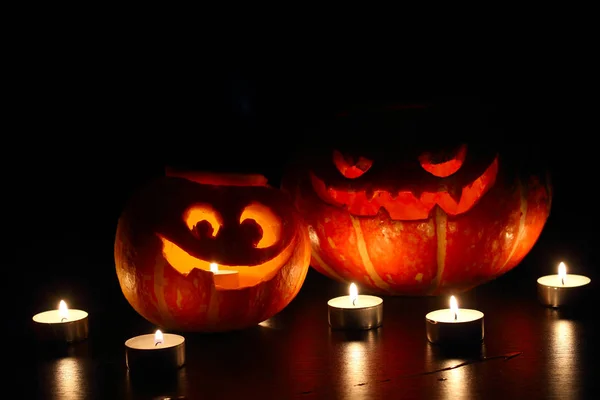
(443, 165)
(349, 167)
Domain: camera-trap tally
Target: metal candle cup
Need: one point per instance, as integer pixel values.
(62, 325)
(146, 353)
(355, 312)
(454, 326)
(366, 314)
(561, 289)
(552, 293)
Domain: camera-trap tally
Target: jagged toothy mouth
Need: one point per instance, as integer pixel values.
(405, 205)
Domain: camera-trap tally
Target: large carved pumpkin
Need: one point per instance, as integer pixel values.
(407, 218)
(175, 228)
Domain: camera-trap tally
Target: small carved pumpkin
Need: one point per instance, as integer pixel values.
(405, 219)
(178, 228)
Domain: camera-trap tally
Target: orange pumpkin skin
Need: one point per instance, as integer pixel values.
(396, 245)
(175, 301)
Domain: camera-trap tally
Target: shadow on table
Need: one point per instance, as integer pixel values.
(435, 353)
(54, 351)
(371, 335)
(574, 313)
(158, 384)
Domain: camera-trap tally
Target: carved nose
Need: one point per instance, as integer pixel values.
(251, 232)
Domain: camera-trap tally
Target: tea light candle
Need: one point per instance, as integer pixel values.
(561, 289)
(354, 311)
(156, 351)
(453, 325)
(61, 325)
(225, 278)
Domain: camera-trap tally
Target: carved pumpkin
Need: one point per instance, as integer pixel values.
(405, 219)
(176, 230)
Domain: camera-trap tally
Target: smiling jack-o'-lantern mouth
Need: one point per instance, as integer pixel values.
(406, 205)
(249, 275)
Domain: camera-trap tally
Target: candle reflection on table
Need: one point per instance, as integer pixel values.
(272, 323)
(169, 386)
(69, 379)
(356, 362)
(453, 383)
(563, 362)
(456, 385)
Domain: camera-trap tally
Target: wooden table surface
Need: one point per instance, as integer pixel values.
(529, 351)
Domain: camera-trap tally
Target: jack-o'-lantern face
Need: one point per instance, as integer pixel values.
(409, 186)
(237, 228)
(425, 164)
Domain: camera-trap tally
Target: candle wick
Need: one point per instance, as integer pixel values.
(157, 343)
(563, 281)
(63, 319)
(354, 301)
(455, 316)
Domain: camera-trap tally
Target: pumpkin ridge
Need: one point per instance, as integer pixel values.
(364, 255)
(522, 220)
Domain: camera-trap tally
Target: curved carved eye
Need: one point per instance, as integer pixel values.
(260, 225)
(350, 167)
(203, 221)
(443, 164)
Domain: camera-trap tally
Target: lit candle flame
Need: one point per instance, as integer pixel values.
(454, 306)
(63, 310)
(158, 337)
(214, 267)
(562, 272)
(353, 293)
